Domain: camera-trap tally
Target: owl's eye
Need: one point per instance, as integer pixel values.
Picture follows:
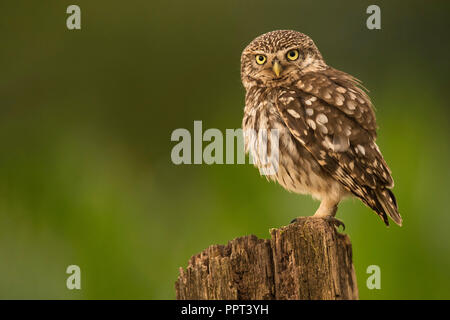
(292, 55)
(260, 59)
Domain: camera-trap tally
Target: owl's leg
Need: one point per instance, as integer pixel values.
(327, 208)
(327, 211)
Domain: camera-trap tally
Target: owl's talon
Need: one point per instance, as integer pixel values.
(336, 222)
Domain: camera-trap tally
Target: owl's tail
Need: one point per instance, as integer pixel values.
(388, 202)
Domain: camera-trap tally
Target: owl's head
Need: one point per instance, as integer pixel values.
(279, 58)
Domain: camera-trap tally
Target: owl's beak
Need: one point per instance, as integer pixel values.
(276, 67)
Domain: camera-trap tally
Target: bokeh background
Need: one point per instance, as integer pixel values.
(86, 117)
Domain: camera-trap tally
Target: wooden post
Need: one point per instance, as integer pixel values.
(305, 260)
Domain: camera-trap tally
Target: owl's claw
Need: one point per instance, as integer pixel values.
(336, 222)
(293, 221)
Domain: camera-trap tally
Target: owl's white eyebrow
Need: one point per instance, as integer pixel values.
(259, 52)
(291, 48)
(268, 53)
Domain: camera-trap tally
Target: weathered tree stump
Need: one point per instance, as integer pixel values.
(305, 260)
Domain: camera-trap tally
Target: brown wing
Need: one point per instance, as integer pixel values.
(341, 138)
(342, 91)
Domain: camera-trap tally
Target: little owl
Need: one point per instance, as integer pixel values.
(325, 123)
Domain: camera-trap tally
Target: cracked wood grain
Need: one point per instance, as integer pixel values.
(305, 260)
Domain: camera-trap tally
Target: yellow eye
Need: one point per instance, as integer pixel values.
(292, 55)
(260, 59)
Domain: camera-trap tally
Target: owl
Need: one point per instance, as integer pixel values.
(325, 125)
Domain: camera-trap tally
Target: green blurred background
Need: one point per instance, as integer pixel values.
(86, 116)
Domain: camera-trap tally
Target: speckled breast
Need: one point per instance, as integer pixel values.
(295, 168)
